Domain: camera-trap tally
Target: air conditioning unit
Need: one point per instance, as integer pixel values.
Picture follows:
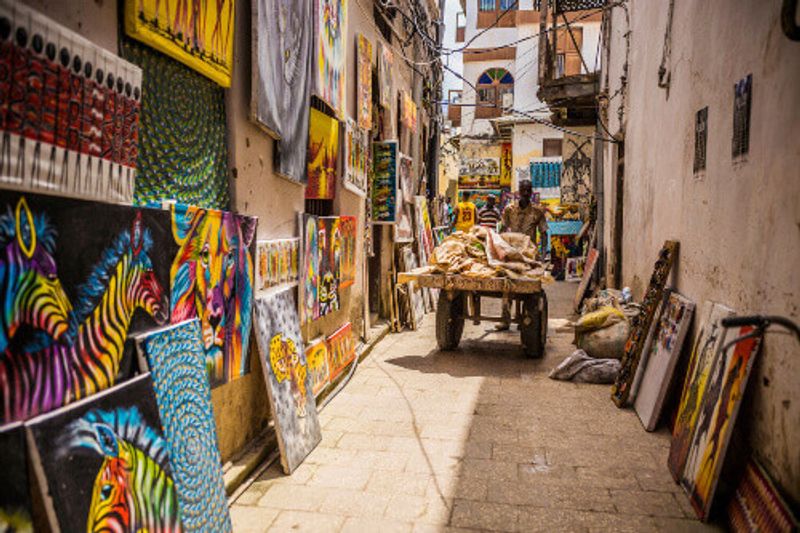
(508, 100)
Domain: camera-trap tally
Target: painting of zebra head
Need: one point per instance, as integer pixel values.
(32, 293)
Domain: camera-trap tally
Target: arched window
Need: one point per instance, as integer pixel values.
(492, 85)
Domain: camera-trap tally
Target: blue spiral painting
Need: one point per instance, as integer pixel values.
(176, 359)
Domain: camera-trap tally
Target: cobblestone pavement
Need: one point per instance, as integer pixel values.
(479, 438)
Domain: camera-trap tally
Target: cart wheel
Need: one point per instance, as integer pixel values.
(449, 321)
(533, 330)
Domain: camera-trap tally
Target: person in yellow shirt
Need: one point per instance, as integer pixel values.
(465, 212)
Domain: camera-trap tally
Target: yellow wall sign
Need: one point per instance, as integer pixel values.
(198, 33)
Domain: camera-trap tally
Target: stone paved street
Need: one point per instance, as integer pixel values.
(479, 438)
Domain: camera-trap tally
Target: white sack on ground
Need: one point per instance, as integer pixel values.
(584, 369)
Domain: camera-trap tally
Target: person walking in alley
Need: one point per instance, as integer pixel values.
(465, 212)
(489, 215)
(522, 216)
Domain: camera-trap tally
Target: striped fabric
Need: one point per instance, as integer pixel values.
(489, 217)
(545, 174)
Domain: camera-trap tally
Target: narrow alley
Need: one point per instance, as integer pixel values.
(478, 438)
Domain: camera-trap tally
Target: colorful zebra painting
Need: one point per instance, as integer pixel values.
(53, 374)
(32, 293)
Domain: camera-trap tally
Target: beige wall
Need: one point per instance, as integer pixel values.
(739, 225)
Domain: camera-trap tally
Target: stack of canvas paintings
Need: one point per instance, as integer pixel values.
(278, 263)
(341, 350)
(317, 357)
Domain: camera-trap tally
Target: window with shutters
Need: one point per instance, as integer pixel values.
(492, 85)
(551, 147)
(568, 52)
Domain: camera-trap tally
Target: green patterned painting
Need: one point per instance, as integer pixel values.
(183, 155)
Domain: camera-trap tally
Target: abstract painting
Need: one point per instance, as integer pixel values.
(289, 385)
(70, 113)
(716, 418)
(330, 260)
(198, 34)
(283, 45)
(278, 263)
(15, 499)
(385, 80)
(309, 281)
(341, 350)
(323, 156)
(665, 350)
(641, 324)
(408, 111)
(576, 176)
(331, 61)
(348, 226)
(356, 158)
(424, 229)
(384, 200)
(106, 464)
(364, 82)
(757, 505)
(317, 357)
(177, 362)
(710, 338)
(179, 160)
(79, 277)
(212, 279)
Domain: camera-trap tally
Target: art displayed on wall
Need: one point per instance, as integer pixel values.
(408, 111)
(664, 352)
(323, 156)
(348, 226)
(68, 126)
(199, 35)
(330, 27)
(506, 164)
(756, 505)
(177, 362)
(479, 173)
(385, 76)
(385, 186)
(356, 158)
(424, 229)
(546, 177)
(309, 280)
(576, 175)
(283, 45)
(641, 324)
(212, 279)
(588, 272)
(718, 410)
(709, 340)
(330, 260)
(289, 385)
(317, 357)
(405, 173)
(742, 102)
(15, 498)
(364, 88)
(403, 229)
(574, 268)
(102, 450)
(341, 350)
(278, 263)
(179, 160)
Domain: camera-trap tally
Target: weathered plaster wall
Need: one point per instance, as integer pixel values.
(739, 225)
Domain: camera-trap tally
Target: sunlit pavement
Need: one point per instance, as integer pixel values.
(479, 438)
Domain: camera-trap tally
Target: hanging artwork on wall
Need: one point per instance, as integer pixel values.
(283, 45)
(212, 279)
(330, 258)
(15, 498)
(323, 156)
(309, 280)
(405, 175)
(640, 325)
(408, 111)
(665, 349)
(576, 176)
(356, 158)
(179, 160)
(278, 263)
(479, 173)
(331, 30)
(506, 164)
(385, 184)
(403, 230)
(177, 362)
(73, 270)
(109, 445)
(385, 77)
(717, 415)
(710, 338)
(424, 229)
(289, 385)
(341, 350)
(364, 88)
(198, 34)
(317, 357)
(70, 115)
(348, 226)
(757, 505)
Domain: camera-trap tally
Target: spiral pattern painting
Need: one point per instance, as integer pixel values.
(176, 359)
